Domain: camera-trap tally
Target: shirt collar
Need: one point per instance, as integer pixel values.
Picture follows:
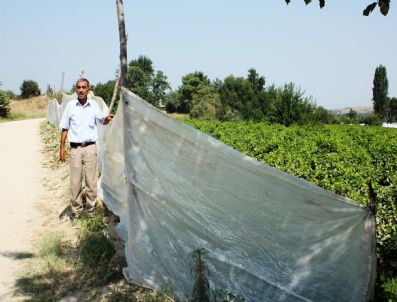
(85, 105)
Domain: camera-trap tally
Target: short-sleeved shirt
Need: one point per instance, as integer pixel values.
(80, 121)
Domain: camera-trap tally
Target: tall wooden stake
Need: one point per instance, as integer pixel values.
(116, 88)
(123, 44)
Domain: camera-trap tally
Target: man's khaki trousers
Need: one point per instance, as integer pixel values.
(83, 161)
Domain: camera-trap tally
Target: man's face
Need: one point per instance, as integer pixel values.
(82, 90)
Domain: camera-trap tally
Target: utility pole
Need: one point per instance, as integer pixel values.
(62, 80)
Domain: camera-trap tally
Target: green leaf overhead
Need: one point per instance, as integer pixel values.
(369, 9)
(384, 6)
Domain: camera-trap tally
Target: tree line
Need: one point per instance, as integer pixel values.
(231, 99)
(243, 98)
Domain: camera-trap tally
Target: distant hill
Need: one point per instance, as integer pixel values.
(362, 110)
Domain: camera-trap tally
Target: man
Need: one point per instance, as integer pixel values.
(79, 121)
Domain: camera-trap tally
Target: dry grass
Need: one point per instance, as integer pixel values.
(27, 109)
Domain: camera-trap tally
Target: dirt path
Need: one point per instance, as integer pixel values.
(21, 177)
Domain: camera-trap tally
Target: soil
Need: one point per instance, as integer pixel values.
(21, 175)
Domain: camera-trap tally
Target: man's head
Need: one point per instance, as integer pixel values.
(82, 89)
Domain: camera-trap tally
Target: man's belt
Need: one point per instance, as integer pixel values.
(75, 145)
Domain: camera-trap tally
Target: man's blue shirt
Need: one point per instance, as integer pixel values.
(80, 121)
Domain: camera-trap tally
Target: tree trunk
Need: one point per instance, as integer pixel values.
(123, 45)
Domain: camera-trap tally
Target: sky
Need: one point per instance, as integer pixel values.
(330, 54)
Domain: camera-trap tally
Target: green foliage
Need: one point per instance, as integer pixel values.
(192, 83)
(4, 105)
(105, 91)
(10, 94)
(50, 245)
(205, 103)
(144, 82)
(291, 107)
(93, 223)
(96, 250)
(29, 88)
(243, 96)
(388, 289)
(172, 102)
(384, 6)
(371, 120)
(392, 110)
(322, 115)
(380, 91)
(352, 114)
(159, 86)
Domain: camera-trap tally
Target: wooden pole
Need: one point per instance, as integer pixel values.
(123, 44)
(116, 88)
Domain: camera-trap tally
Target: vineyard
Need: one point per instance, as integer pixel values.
(342, 159)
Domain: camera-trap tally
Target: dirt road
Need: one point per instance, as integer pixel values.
(21, 175)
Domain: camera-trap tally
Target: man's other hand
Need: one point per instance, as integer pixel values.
(108, 119)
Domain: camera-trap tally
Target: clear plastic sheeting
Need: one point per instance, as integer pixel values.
(268, 236)
(54, 111)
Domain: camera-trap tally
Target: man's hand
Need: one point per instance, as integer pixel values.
(62, 154)
(64, 134)
(108, 119)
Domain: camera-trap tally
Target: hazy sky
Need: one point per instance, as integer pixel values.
(331, 54)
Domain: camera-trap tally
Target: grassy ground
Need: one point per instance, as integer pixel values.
(27, 109)
(81, 258)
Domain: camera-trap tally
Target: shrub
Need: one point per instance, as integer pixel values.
(4, 105)
(371, 120)
(29, 89)
(96, 250)
(51, 245)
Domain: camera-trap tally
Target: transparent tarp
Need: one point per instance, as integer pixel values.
(268, 236)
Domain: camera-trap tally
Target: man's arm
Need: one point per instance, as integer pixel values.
(64, 135)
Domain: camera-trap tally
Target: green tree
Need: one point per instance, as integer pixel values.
(140, 74)
(380, 91)
(245, 96)
(4, 104)
(393, 109)
(159, 86)
(371, 120)
(191, 84)
(258, 82)
(291, 107)
(205, 103)
(145, 82)
(29, 88)
(352, 114)
(105, 90)
(172, 102)
(322, 115)
(49, 91)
